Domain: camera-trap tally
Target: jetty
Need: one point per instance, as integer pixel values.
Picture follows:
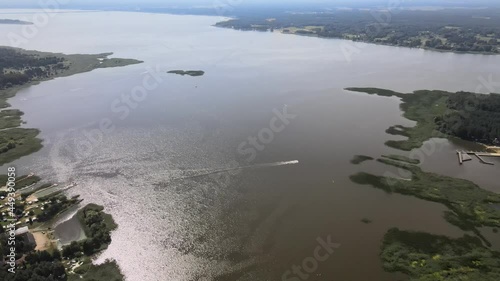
(460, 159)
(465, 156)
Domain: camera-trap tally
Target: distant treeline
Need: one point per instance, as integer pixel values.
(460, 30)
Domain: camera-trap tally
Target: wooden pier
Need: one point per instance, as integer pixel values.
(482, 160)
(464, 156)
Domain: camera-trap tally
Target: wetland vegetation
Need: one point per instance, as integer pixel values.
(439, 258)
(402, 159)
(358, 159)
(424, 256)
(469, 116)
(470, 205)
(366, 220)
(427, 257)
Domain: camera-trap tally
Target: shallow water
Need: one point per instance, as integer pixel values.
(175, 171)
(68, 231)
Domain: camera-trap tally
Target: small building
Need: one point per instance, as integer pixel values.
(26, 235)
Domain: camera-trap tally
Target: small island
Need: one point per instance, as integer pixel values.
(358, 159)
(7, 21)
(402, 158)
(187, 72)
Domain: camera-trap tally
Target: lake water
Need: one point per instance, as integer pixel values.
(255, 220)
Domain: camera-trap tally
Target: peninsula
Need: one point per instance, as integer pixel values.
(423, 256)
(19, 69)
(38, 253)
(7, 21)
(38, 205)
(469, 116)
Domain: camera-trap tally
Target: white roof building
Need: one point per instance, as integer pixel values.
(22, 230)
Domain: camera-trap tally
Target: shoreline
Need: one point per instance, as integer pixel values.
(397, 46)
(415, 110)
(365, 42)
(469, 207)
(229, 17)
(42, 232)
(494, 149)
(27, 138)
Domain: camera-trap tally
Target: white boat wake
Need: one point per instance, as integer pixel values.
(208, 172)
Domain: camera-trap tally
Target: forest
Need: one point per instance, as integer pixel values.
(50, 265)
(458, 30)
(469, 116)
(38, 266)
(474, 117)
(18, 68)
(97, 226)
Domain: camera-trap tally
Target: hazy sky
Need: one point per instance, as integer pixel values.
(211, 3)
